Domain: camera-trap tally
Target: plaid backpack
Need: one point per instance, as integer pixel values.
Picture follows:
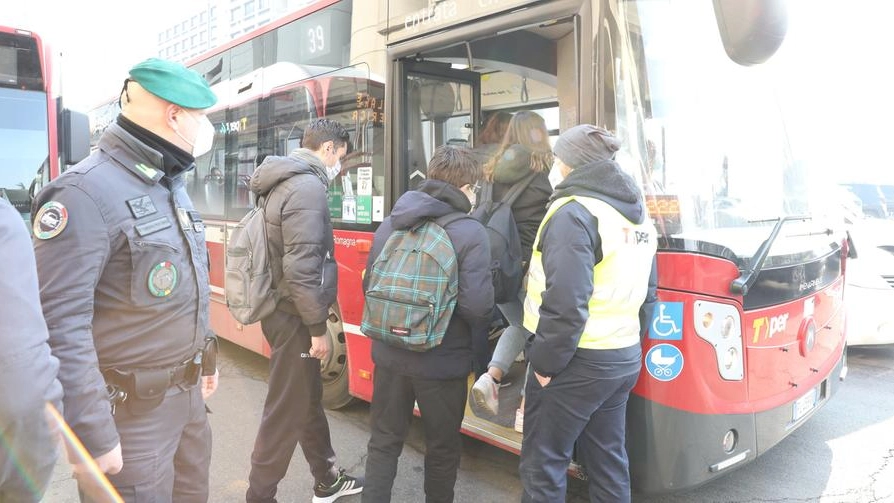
(412, 287)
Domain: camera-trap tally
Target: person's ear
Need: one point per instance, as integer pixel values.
(173, 113)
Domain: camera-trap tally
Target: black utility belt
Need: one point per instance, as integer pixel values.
(142, 390)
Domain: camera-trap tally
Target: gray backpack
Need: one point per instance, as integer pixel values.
(248, 282)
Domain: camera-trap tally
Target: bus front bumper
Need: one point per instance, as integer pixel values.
(673, 450)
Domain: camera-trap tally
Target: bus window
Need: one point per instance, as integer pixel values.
(291, 109)
(242, 157)
(215, 69)
(356, 192)
(206, 182)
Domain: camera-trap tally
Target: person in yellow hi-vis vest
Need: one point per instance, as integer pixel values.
(590, 283)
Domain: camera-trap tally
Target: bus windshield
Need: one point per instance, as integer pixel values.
(709, 138)
(24, 140)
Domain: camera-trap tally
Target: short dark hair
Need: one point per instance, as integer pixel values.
(455, 165)
(319, 131)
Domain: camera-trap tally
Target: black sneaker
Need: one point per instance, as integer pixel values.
(343, 486)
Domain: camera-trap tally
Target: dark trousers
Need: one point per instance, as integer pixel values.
(442, 405)
(293, 411)
(166, 452)
(575, 408)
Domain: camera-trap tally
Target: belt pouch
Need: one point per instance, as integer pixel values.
(149, 388)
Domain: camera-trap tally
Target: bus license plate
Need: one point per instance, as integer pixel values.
(804, 405)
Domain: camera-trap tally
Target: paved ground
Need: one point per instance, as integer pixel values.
(845, 453)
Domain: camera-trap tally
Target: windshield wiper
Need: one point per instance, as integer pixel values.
(746, 279)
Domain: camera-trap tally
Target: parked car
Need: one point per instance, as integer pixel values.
(869, 290)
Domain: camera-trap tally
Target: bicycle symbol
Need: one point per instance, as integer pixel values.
(664, 325)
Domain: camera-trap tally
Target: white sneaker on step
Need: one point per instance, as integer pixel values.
(486, 393)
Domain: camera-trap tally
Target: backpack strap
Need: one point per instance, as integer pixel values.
(486, 197)
(444, 220)
(518, 188)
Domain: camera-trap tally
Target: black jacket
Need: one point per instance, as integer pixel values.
(530, 207)
(460, 352)
(571, 247)
(299, 234)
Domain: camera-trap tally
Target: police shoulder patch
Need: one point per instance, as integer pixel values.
(162, 279)
(50, 220)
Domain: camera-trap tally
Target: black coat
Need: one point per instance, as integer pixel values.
(464, 347)
(530, 207)
(299, 234)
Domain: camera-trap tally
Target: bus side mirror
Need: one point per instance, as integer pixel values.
(75, 137)
(751, 30)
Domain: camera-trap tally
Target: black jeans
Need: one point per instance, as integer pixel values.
(293, 411)
(575, 407)
(442, 405)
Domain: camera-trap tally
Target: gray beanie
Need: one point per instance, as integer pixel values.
(584, 144)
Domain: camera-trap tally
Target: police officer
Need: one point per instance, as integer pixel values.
(124, 284)
(27, 370)
(590, 283)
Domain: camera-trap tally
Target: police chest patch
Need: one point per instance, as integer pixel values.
(141, 206)
(151, 226)
(162, 279)
(50, 220)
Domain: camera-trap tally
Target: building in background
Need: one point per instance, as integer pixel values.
(218, 22)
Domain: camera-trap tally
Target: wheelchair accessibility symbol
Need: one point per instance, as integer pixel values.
(664, 362)
(667, 322)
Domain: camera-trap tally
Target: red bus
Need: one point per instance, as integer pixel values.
(748, 341)
(38, 137)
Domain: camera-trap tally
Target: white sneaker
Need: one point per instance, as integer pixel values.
(519, 420)
(486, 393)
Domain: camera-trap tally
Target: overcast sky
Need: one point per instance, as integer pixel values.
(99, 39)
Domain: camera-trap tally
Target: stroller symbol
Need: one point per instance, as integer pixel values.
(664, 362)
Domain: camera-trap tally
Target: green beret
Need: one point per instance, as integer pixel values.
(174, 82)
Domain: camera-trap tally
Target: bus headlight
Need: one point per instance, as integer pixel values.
(725, 337)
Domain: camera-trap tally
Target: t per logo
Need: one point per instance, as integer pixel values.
(768, 327)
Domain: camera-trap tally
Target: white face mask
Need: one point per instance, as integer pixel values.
(472, 194)
(555, 174)
(334, 170)
(204, 136)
